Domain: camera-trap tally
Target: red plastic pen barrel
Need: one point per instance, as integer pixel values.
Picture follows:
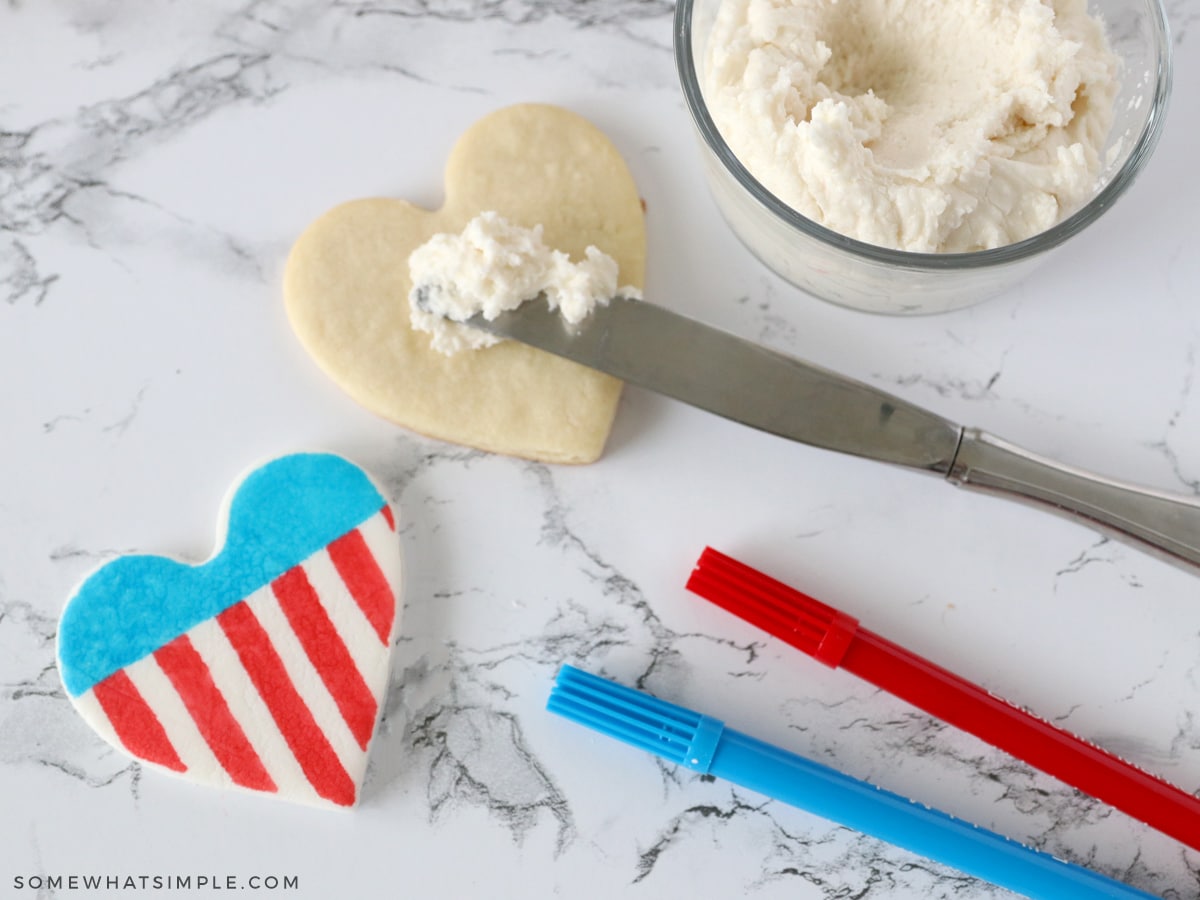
(837, 640)
(1069, 758)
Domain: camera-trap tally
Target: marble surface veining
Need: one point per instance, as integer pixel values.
(156, 162)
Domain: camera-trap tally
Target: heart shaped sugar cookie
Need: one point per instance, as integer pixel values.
(346, 289)
(263, 668)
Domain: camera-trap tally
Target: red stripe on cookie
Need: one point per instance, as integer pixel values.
(327, 652)
(362, 575)
(135, 722)
(189, 675)
(296, 723)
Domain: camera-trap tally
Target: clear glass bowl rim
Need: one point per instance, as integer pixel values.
(685, 65)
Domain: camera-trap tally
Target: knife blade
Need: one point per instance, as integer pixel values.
(652, 347)
(660, 350)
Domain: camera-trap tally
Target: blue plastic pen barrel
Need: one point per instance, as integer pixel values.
(828, 793)
(704, 744)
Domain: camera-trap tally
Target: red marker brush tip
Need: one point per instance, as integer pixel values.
(836, 639)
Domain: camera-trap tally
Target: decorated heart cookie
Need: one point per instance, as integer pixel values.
(263, 668)
(346, 288)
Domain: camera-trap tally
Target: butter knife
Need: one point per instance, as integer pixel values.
(663, 351)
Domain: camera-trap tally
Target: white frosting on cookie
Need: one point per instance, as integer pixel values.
(494, 266)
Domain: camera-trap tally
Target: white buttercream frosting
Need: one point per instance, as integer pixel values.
(494, 266)
(926, 125)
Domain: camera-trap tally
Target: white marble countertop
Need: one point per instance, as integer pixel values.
(157, 161)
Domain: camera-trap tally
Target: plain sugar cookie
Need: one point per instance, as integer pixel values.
(346, 289)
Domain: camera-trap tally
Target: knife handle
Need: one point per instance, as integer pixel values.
(1166, 525)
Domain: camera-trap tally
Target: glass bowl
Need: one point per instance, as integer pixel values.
(877, 279)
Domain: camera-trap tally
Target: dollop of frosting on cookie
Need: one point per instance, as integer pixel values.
(494, 266)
